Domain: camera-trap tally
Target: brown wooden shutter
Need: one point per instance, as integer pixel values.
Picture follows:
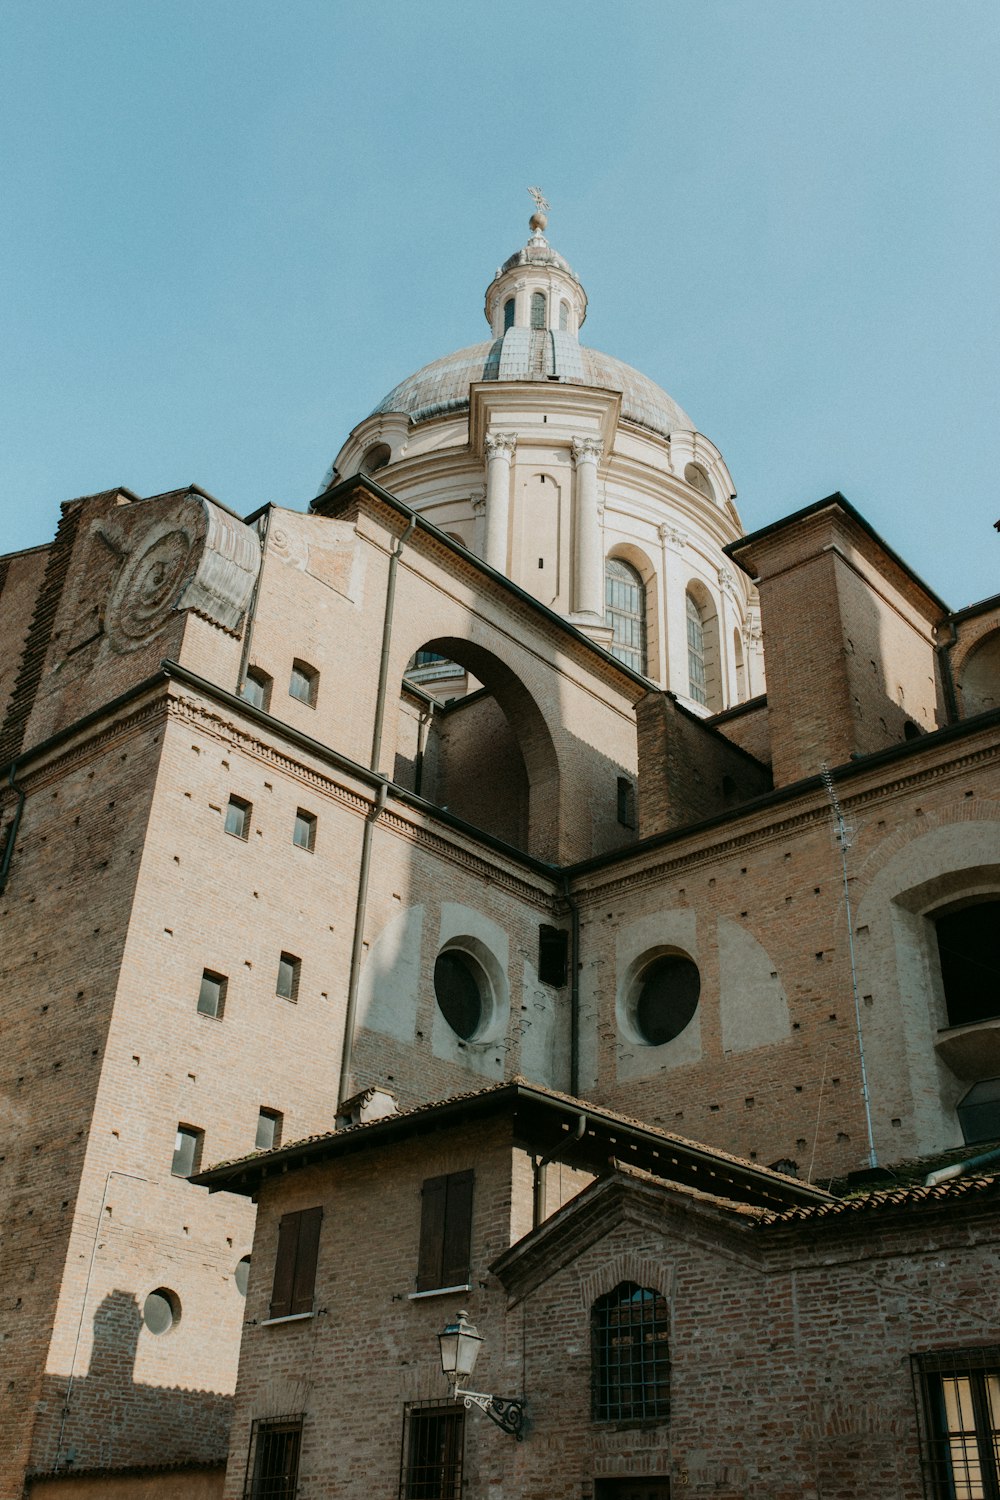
(304, 1285)
(457, 1243)
(284, 1266)
(432, 1212)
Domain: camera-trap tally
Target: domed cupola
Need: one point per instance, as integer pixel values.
(579, 478)
(537, 292)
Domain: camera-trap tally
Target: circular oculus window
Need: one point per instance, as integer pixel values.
(461, 989)
(666, 998)
(161, 1310)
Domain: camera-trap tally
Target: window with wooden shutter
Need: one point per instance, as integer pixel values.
(445, 1232)
(295, 1263)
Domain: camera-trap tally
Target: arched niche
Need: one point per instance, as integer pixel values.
(487, 756)
(979, 677)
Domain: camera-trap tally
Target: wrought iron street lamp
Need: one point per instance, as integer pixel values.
(459, 1343)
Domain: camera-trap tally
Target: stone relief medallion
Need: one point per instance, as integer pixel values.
(149, 586)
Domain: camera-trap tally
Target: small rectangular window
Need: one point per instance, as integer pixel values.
(288, 977)
(432, 1451)
(304, 831)
(187, 1150)
(238, 817)
(626, 802)
(272, 1471)
(445, 1231)
(303, 683)
(552, 948)
(212, 995)
(257, 688)
(268, 1130)
(295, 1263)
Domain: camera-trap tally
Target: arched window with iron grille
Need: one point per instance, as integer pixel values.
(630, 1355)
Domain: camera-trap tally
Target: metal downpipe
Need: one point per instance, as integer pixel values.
(347, 1054)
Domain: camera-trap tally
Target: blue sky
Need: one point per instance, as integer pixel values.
(229, 227)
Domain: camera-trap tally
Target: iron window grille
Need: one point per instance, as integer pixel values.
(272, 1471)
(430, 1466)
(630, 1355)
(958, 1402)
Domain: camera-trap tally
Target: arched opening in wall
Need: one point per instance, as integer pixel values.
(564, 317)
(741, 667)
(538, 309)
(699, 480)
(704, 674)
(508, 314)
(968, 940)
(375, 458)
(625, 612)
(979, 679)
(486, 755)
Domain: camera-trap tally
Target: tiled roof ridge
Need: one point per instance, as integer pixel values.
(887, 1200)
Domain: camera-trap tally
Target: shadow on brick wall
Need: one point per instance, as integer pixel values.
(106, 1419)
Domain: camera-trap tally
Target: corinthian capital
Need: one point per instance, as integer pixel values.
(501, 444)
(587, 450)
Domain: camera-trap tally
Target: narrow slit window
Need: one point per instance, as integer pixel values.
(287, 985)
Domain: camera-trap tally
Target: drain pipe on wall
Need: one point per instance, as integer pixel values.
(574, 990)
(357, 949)
(347, 1056)
(383, 666)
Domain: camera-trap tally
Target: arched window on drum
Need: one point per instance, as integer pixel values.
(625, 612)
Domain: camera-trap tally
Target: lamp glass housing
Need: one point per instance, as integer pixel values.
(459, 1344)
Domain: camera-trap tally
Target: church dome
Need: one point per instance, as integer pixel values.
(442, 387)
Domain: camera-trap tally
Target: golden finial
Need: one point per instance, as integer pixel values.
(538, 219)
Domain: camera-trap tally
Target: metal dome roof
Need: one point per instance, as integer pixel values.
(533, 354)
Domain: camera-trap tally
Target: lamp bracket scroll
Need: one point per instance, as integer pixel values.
(505, 1411)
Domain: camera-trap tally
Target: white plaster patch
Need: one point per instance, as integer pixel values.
(666, 931)
(463, 926)
(752, 1000)
(390, 981)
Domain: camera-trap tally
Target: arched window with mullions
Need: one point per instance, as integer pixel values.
(625, 612)
(538, 309)
(696, 652)
(508, 314)
(630, 1355)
